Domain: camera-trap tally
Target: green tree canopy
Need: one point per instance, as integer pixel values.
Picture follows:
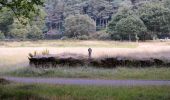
(35, 33)
(122, 13)
(2, 35)
(6, 19)
(22, 7)
(11, 27)
(17, 30)
(132, 25)
(166, 3)
(156, 17)
(79, 25)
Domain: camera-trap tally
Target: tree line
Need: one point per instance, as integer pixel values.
(85, 19)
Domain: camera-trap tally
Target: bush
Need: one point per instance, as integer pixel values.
(83, 37)
(101, 35)
(53, 36)
(2, 36)
(64, 38)
(18, 30)
(19, 33)
(35, 33)
(79, 25)
(146, 36)
(116, 36)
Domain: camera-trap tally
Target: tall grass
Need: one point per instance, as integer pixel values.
(68, 43)
(94, 73)
(71, 92)
(14, 58)
(16, 53)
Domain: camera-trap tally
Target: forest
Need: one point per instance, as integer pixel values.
(90, 19)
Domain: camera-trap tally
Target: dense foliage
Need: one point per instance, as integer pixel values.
(2, 36)
(79, 25)
(131, 25)
(156, 17)
(121, 14)
(12, 27)
(22, 7)
(6, 19)
(112, 19)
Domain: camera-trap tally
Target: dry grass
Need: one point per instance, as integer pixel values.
(16, 57)
(68, 43)
(12, 55)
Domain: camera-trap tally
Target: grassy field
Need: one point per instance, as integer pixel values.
(14, 62)
(14, 59)
(16, 53)
(68, 43)
(94, 73)
(71, 92)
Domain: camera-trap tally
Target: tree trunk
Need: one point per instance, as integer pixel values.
(137, 38)
(129, 38)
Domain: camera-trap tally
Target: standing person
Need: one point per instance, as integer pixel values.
(90, 52)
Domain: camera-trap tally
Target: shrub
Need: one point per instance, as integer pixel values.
(2, 36)
(116, 36)
(101, 35)
(18, 30)
(35, 33)
(53, 36)
(19, 33)
(79, 25)
(64, 38)
(83, 37)
(146, 36)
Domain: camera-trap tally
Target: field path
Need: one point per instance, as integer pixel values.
(73, 81)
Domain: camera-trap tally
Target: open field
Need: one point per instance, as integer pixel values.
(16, 55)
(71, 92)
(94, 73)
(14, 60)
(68, 43)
